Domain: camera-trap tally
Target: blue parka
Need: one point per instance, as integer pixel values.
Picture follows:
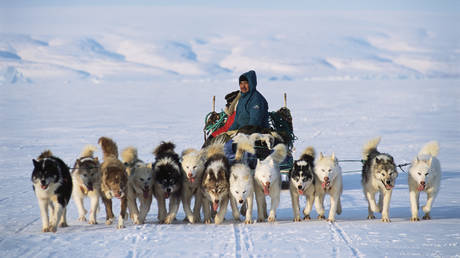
(252, 108)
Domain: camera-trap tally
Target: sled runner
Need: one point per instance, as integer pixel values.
(280, 121)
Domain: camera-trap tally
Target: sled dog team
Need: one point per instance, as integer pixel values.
(213, 181)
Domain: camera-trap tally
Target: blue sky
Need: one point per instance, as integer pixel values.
(351, 5)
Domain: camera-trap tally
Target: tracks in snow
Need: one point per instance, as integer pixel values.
(338, 234)
(243, 241)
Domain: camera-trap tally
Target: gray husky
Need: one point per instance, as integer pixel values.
(378, 175)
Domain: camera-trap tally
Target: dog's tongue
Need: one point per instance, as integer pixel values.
(421, 187)
(325, 184)
(146, 193)
(266, 190)
(300, 191)
(388, 187)
(215, 206)
(44, 187)
(192, 179)
(166, 195)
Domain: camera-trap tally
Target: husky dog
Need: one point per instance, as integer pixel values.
(302, 180)
(215, 184)
(424, 175)
(242, 184)
(86, 178)
(168, 181)
(52, 185)
(140, 184)
(192, 166)
(268, 182)
(379, 175)
(328, 181)
(114, 181)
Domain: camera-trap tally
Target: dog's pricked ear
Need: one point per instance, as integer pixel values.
(221, 174)
(377, 160)
(96, 159)
(321, 156)
(235, 177)
(150, 165)
(333, 156)
(417, 160)
(429, 161)
(36, 163)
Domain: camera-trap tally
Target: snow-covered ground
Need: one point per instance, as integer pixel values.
(141, 75)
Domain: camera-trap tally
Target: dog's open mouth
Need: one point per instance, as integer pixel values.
(89, 187)
(300, 191)
(146, 192)
(191, 178)
(326, 183)
(421, 186)
(267, 188)
(215, 205)
(166, 195)
(387, 186)
(44, 187)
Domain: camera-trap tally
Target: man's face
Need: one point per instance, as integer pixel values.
(244, 86)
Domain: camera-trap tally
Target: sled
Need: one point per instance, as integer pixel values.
(280, 121)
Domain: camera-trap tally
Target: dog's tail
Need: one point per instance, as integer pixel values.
(244, 145)
(129, 155)
(431, 148)
(308, 154)
(370, 146)
(45, 154)
(109, 147)
(279, 153)
(164, 147)
(214, 149)
(268, 139)
(88, 151)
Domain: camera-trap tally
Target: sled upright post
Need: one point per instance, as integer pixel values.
(213, 103)
(285, 100)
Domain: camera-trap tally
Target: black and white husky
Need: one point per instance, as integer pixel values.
(424, 176)
(168, 181)
(52, 184)
(302, 180)
(378, 175)
(140, 184)
(86, 178)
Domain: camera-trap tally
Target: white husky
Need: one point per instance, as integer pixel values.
(328, 181)
(424, 175)
(242, 184)
(86, 179)
(192, 162)
(268, 182)
(140, 184)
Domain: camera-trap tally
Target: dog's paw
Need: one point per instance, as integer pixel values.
(248, 221)
(45, 229)
(207, 221)
(63, 225)
(82, 218)
(260, 220)
(120, 226)
(296, 219)
(427, 217)
(321, 217)
(307, 217)
(371, 217)
(92, 222)
(169, 220)
(52, 228)
(271, 219)
(414, 219)
(136, 221)
(109, 221)
(385, 219)
(331, 220)
(190, 219)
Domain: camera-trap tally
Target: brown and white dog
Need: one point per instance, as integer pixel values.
(86, 178)
(140, 184)
(379, 175)
(192, 162)
(114, 181)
